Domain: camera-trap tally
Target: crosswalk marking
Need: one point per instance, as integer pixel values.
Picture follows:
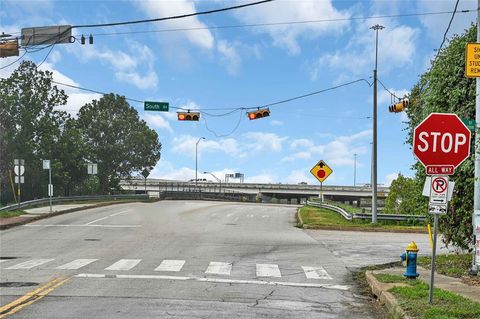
(30, 264)
(219, 268)
(316, 272)
(268, 270)
(170, 265)
(124, 264)
(2, 260)
(76, 264)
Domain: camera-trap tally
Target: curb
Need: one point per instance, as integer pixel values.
(380, 291)
(360, 229)
(71, 210)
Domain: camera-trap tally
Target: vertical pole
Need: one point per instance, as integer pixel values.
(374, 151)
(18, 188)
(50, 191)
(432, 273)
(476, 191)
(355, 168)
(321, 192)
(196, 165)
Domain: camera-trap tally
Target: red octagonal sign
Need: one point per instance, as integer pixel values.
(441, 143)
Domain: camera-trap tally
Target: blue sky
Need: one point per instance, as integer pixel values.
(228, 68)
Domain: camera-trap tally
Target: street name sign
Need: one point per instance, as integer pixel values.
(155, 106)
(472, 60)
(470, 123)
(441, 142)
(321, 171)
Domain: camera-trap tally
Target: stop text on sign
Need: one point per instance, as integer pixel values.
(441, 142)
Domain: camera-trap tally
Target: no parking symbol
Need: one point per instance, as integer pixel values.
(439, 190)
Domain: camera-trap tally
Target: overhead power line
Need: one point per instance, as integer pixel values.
(172, 17)
(280, 23)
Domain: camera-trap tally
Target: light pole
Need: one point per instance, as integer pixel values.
(218, 179)
(196, 161)
(355, 169)
(374, 155)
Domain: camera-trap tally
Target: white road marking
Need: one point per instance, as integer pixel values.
(123, 212)
(230, 214)
(268, 270)
(316, 272)
(76, 264)
(265, 216)
(96, 220)
(250, 215)
(219, 268)
(30, 264)
(124, 264)
(170, 265)
(2, 260)
(219, 280)
(62, 225)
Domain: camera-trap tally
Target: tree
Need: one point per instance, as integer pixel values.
(30, 125)
(405, 197)
(117, 140)
(445, 89)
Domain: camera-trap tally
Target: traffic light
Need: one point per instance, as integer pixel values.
(8, 48)
(188, 116)
(258, 114)
(399, 107)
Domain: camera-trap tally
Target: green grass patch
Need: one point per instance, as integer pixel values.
(12, 213)
(446, 305)
(327, 218)
(387, 278)
(453, 265)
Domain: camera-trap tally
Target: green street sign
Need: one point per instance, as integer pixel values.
(155, 106)
(469, 123)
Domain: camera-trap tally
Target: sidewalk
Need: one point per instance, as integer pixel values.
(380, 289)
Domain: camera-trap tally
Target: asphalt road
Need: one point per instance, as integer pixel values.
(188, 259)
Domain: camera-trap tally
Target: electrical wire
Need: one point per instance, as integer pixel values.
(46, 56)
(21, 57)
(446, 31)
(172, 17)
(227, 134)
(279, 23)
(391, 93)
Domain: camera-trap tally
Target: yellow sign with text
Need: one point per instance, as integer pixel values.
(472, 60)
(321, 171)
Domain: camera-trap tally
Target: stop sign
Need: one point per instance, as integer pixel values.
(441, 143)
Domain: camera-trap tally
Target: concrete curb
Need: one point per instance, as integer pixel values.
(38, 217)
(360, 229)
(380, 290)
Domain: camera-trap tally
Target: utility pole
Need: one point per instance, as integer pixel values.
(374, 155)
(476, 191)
(355, 168)
(196, 162)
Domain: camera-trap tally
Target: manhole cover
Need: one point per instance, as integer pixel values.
(92, 239)
(12, 284)
(8, 258)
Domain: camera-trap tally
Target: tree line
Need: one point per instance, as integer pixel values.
(107, 131)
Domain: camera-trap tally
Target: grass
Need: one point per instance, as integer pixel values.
(453, 265)
(12, 213)
(446, 305)
(326, 218)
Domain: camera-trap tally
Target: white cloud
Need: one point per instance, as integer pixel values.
(259, 141)
(297, 176)
(299, 143)
(276, 123)
(261, 178)
(287, 36)
(384, 98)
(231, 58)
(297, 156)
(390, 178)
(185, 144)
(157, 121)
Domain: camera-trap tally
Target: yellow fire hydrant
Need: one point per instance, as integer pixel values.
(410, 256)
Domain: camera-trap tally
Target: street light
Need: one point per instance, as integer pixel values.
(218, 179)
(196, 160)
(355, 169)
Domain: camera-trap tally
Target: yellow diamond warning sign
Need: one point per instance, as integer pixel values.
(472, 60)
(321, 171)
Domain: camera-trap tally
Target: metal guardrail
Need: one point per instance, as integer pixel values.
(71, 199)
(348, 216)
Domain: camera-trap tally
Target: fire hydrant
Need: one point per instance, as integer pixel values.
(410, 256)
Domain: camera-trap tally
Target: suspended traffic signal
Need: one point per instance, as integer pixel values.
(399, 107)
(188, 116)
(258, 114)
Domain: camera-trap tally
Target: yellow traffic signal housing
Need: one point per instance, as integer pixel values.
(399, 107)
(8, 48)
(188, 116)
(258, 114)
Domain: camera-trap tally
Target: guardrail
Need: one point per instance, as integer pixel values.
(348, 216)
(71, 199)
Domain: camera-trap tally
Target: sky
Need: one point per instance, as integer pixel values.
(220, 65)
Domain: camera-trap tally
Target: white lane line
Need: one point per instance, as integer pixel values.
(170, 265)
(76, 264)
(124, 264)
(61, 225)
(96, 220)
(219, 268)
(219, 280)
(316, 272)
(30, 264)
(268, 270)
(126, 211)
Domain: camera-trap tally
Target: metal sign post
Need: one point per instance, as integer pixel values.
(46, 165)
(19, 169)
(432, 274)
